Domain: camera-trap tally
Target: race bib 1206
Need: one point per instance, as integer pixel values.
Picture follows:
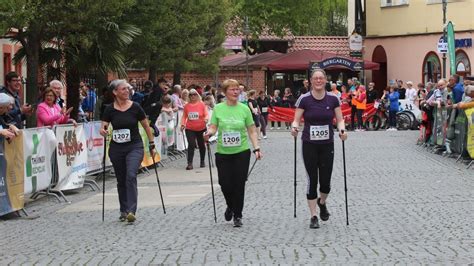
(121, 135)
(319, 132)
(231, 139)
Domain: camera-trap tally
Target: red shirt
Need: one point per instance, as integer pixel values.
(195, 116)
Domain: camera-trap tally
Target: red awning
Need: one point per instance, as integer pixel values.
(299, 60)
(232, 60)
(260, 60)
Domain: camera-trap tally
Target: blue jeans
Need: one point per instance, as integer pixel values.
(392, 118)
(126, 159)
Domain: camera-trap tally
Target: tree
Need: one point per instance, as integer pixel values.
(81, 36)
(305, 17)
(178, 36)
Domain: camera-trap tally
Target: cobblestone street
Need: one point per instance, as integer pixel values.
(406, 205)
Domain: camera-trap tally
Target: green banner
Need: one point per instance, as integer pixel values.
(451, 47)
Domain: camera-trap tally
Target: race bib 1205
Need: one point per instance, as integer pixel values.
(121, 135)
(319, 132)
(231, 139)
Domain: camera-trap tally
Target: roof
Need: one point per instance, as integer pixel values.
(334, 44)
(234, 29)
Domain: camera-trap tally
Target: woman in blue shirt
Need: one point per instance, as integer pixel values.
(393, 97)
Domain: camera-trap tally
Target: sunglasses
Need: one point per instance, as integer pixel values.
(193, 94)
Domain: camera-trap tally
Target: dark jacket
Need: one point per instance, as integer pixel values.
(14, 116)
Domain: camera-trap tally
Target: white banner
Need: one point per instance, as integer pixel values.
(95, 146)
(38, 150)
(181, 141)
(71, 157)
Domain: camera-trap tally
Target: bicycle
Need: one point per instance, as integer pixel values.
(379, 119)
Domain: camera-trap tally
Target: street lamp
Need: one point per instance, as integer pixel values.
(445, 5)
(246, 32)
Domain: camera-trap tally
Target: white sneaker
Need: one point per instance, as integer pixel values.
(278, 128)
(271, 128)
(264, 137)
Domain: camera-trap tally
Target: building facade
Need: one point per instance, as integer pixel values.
(403, 36)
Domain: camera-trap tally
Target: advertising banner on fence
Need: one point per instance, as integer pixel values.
(147, 160)
(470, 131)
(181, 141)
(71, 157)
(38, 150)
(12, 176)
(95, 146)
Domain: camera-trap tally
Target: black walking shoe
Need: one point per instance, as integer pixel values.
(238, 222)
(131, 217)
(203, 164)
(314, 223)
(228, 214)
(189, 167)
(123, 216)
(323, 211)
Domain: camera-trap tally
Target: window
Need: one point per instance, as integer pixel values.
(387, 3)
(463, 65)
(431, 68)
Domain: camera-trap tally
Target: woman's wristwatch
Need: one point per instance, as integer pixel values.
(256, 150)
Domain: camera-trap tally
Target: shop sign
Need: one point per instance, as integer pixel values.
(355, 42)
(459, 43)
(337, 61)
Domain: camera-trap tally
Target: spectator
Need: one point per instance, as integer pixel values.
(335, 91)
(371, 93)
(360, 100)
(353, 102)
(176, 98)
(49, 113)
(275, 101)
(243, 94)
(410, 93)
(220, 95)
(344, 95)
(252, 104)
(305, 88)
(209, 102)
(288, 101)
(393, 97)
(458, 89)
(18, 113)
(185, 96)
(401, 89)
(88, 104)
(7, 131)
(135, 95)
(263, 102)
(152, 102)
(57, 87)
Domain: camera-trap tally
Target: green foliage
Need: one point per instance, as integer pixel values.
(303, 17)
(178, 35)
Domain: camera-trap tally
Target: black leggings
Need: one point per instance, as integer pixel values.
(232, 170)
(353, 114)
(263, 123)
(318, 160)
(192, 136)
(278, 123)
(360, 123)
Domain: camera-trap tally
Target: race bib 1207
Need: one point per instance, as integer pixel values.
(231, 139)
(319, 132)
(121, 135)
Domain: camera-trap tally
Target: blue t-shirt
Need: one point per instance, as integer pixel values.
(458, 91)
(394, 97)
(318, 117)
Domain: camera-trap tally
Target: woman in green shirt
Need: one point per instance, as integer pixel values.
(234, 122)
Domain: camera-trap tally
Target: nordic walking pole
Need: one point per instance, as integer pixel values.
(158, 181)
(345, 179)
(253, 165)
(212, 183)
(103, 178)
(294, 201)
